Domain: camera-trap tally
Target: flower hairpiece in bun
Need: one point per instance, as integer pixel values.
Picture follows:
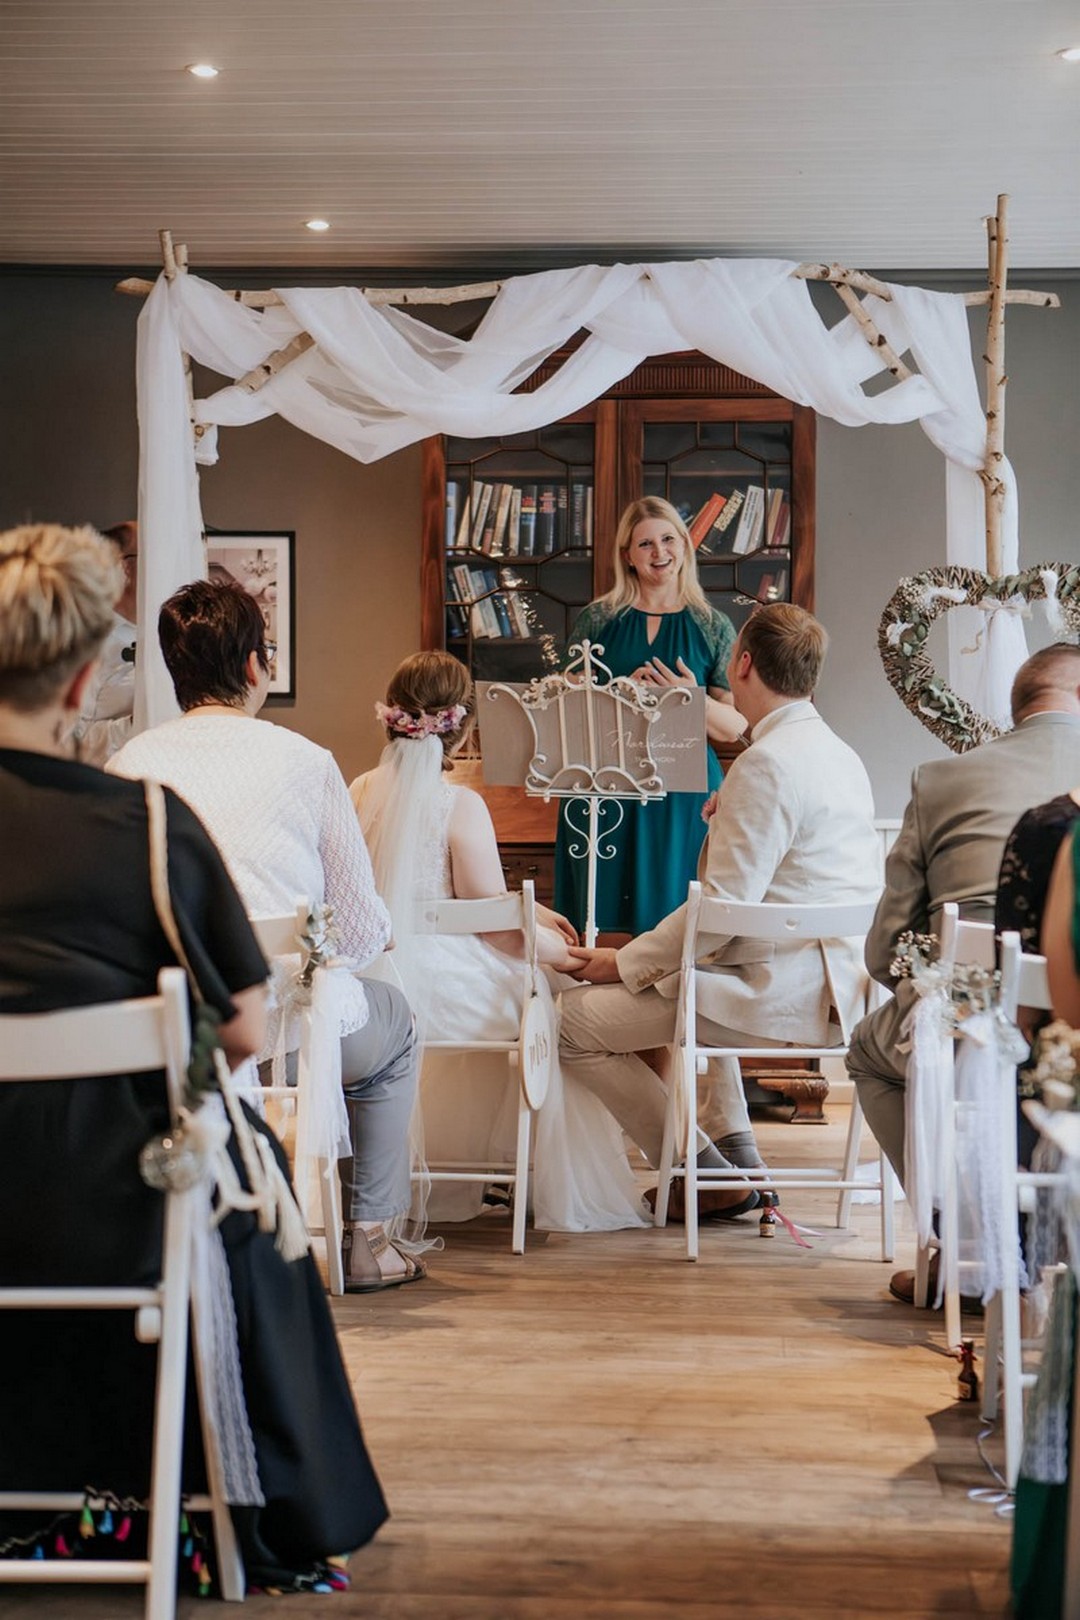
(431, 723)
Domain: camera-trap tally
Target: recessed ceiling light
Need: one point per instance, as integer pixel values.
(317, 224)
(1071, 54)
(204, 70)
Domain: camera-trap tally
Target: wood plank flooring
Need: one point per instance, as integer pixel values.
(598, 1429)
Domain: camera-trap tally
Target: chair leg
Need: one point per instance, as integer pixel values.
(922, 1276)
(887, 1178)
(851, 1163)
(690, 1187)
(169, 1408)
(991, 1359)
(330, 1189)
(667, 1153)
(521, 1175)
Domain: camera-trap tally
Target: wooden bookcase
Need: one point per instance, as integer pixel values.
(681, 426)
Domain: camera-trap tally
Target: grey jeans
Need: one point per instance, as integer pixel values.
(379, 1066)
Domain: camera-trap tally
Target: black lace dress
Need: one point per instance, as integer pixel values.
(1026, 865)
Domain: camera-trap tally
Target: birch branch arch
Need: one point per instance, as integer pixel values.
(335, 363)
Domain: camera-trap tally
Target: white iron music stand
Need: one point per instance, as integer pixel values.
(597, 737)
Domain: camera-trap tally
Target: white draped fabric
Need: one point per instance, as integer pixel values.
(379, 378)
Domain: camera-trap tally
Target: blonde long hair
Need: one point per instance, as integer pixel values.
(624, 591)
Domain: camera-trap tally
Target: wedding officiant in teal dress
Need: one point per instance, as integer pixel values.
(657, 626)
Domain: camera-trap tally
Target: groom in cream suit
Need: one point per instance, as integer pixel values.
(794, 822)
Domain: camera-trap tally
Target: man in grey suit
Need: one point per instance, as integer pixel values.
(794, 823)
(961, 811)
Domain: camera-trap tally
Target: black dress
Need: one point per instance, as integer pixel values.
(1026, 867)
(78, 926)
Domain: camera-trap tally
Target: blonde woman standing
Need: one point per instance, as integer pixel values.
(656, 625)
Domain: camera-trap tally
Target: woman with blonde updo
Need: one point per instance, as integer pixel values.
(429, 838)
(78, 926)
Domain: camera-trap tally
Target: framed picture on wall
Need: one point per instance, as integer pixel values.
(264, 563)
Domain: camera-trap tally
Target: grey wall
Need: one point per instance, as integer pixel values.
(69, 452)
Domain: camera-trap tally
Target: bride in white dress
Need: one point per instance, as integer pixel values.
(429, 838)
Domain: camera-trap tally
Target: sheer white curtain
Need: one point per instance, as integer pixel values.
(379, 378)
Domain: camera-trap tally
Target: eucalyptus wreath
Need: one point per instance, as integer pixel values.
(922, 598)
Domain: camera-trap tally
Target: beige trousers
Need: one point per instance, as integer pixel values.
(605, 1025)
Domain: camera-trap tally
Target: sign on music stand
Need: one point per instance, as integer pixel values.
(586, 735)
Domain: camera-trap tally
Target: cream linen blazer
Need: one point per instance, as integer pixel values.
(794, 823)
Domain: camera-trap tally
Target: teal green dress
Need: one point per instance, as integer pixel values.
(656, 845)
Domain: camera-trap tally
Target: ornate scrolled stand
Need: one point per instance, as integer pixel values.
(611, 718)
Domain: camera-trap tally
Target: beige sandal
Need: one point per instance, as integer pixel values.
(375, 1243)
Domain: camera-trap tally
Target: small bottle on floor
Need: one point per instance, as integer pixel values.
(768, 1223)
(967, 1380)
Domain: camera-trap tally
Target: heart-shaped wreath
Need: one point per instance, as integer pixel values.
(919, 600)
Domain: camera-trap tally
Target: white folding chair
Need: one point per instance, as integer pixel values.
(280, 936)
(1023, 984)
(129, 1037)
(528, 1055)
(963, 944)
(708, 916)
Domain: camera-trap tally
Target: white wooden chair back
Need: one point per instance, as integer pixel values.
(965, 944)
(128, 1037)
(1024, 983)
(529, 1055)
(709, 917)
(280, 936)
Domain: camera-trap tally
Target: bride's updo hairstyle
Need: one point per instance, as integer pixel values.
(58, 588)
(430, 695)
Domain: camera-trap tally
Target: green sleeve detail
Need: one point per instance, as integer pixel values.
(721, 635)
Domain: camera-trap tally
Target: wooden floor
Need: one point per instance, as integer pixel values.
(599, 1429)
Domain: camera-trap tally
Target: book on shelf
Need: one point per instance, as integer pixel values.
(773, 587)
(700, 525)
(515, 602)
(589, 516)
(780, 534)
(494, 541)
(457, 616)
(579, 517)
(464, 528)
(481, 503)
(545, 520)
(774, 501)
(752, 523)
(527, 541)
(513, 524)
(452, 492)
(562, 517)
(714, 540)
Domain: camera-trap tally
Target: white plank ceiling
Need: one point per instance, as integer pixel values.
(443, 134)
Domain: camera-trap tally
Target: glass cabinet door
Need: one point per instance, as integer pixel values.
(731, 481)
(518, 547)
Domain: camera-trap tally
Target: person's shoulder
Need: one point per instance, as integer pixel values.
(466, 804)
(136, 754)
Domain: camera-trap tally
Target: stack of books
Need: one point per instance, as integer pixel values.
(477, 602)
(764, 522)
(519, 520)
